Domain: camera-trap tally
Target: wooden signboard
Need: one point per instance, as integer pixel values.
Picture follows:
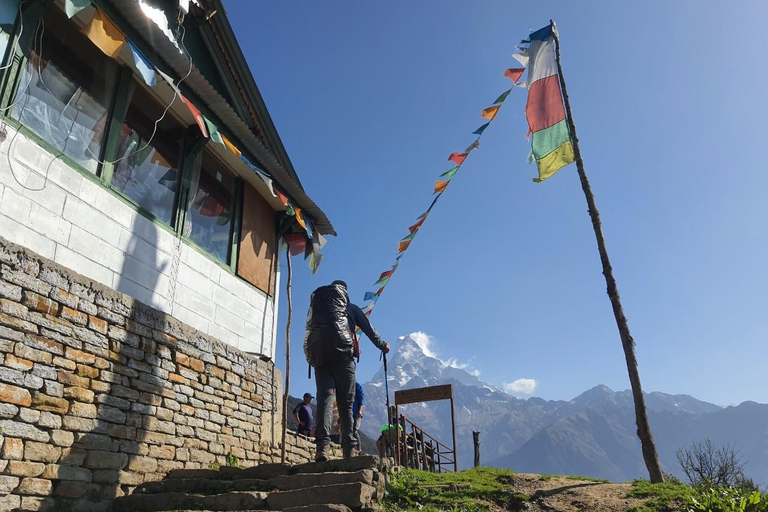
(428, 394)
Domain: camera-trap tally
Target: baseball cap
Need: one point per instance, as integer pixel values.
(308, 395)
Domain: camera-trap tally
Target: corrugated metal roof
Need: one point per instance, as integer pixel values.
(196, 82)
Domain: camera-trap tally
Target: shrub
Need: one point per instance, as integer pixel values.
(706, 464)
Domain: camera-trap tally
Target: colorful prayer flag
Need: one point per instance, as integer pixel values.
(282, 197)
(299, 218)
(418, 224)
(169, 81)
(514, 74)
(551, 145)
(382, 281)
(104, 34)
(143, 65)
(475, 145)
(213, 130)
(480, 130)
(449, 174)
(230, 146)
(318, 241)
(297, 243)
(314, 261)
(457, 158)
(503, 96)
(490, 112)
(196, 114)
(440, 185)
(402, 246)
(369, 295)
(522, 58)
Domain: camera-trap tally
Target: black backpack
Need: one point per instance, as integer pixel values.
(328, 338)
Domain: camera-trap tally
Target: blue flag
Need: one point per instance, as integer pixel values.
(143, 65)
(480, 130)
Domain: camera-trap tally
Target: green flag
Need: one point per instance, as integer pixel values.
(213, 131)
(503, 96)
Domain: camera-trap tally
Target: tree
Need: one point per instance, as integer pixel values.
(705, 463)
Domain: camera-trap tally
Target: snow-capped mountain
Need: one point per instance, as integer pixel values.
(592, 434)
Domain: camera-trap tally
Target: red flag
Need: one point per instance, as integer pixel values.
(388, 273)
(514, 74)
(297, 243)
(196, 114)
(280, 195)
(457, 158)
(418, 224)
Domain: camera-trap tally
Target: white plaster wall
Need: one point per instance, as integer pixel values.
(54, 210)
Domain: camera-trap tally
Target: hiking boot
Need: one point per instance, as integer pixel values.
(322, 453)
(352, 452)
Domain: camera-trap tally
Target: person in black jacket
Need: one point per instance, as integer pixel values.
(330, 348)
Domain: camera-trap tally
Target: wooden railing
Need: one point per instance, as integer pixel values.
(414, 448)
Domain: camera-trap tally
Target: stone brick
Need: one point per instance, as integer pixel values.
(29, 415)
(10, 335)
(45, 344)
(64, 363)
(63, 297)
(43, 402)
(105, 476)
(82, 410)
(17, 324)
(10, 291)
(23, 430)
(62, 438)
(51, 322)
(8, 411)
(59, 472)
(70, 489)
(74, 316)
(32, 354)
(110, 414)
(79, 356)
(78, 424)
(15, 395)
(113, 401)
(97, 324)
(13, 449)
(142, 464)
(39, 452)
(26, 469)
(53, 388)
(35, 487)
(105, 460)
(88, 336)
(8, 484)
(10, 502)
(162, 452)
(87, 371)
(79, 394)
(18, 363)
(73, 456)
(49, 420)
(39, 303)
(44, 371)
(69, 379)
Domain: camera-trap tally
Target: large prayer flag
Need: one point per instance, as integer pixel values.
(490, 112)
(551, 145)
(196, 114)
(104, 34)
(143, 65)
(457, 158)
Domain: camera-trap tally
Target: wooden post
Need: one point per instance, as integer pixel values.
(287, 352)
(453, 429)
(476, 441)
(643, 428)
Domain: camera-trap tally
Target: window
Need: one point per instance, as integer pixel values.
(209, 222)
(147, 166)
(9, 11)
(65, 90)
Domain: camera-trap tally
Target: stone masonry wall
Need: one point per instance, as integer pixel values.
(100, 393)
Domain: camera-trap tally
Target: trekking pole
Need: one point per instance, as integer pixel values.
(386, 380)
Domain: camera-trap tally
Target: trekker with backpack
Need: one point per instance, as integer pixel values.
(331, 347)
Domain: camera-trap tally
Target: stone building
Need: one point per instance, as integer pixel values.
(144, 192)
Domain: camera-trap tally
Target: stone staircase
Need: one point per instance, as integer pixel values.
(343, 485)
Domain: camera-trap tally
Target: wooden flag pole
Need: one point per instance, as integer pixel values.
(287, 353)
(650, 455)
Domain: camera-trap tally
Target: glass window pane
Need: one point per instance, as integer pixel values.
(146, 170)
(65, 90)
(209, 218)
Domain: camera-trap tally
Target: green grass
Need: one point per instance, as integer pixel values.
(662, 497)
(487, 486)
(587, 479)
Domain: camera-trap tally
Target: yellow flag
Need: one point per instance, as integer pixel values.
(490, 112)
(104, 34)
(299, 218)
(230, 146)
(440, 185)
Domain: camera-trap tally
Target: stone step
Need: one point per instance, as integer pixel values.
(305, 480)
(203, 486)
(354, 495)
(184, 501)
(260, 472)
(349, 465)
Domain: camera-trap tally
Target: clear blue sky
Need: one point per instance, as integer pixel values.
(370, 98)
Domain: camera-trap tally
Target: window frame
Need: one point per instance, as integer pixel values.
(193, 143)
